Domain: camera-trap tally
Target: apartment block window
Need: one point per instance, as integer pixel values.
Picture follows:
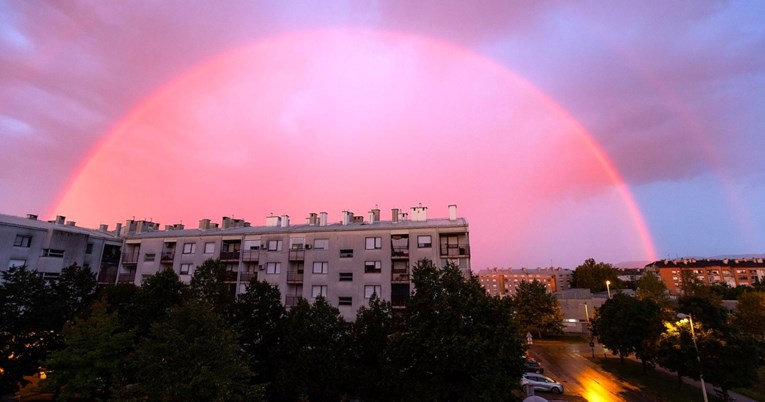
(346, 253)
(372, 267)
(22, 241)
(321, 244)
(185, 268)
(149, 257)
(346, 276)
(51, 252)
(424, 241)
(273, 267)
(209, 247)
(345, 301)
(370, 290)
(274, 245)
(189, 248)
(297, 243)
(252, 244)
(320, 267)
(373, 243)
(319, 291)
(89, 248)
(17, 263)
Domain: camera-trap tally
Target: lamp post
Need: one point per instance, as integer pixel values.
(698, 355)
(608, 288)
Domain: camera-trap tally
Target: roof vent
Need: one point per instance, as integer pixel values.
(32, 217)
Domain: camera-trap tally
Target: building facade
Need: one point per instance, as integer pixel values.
(345, 262)
(49, 246)
(504, 282)
(733, 272)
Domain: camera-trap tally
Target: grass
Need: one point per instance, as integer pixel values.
(664, 387)
(757, 390)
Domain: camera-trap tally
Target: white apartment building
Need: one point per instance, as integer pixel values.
(345, 262)
(49, 246)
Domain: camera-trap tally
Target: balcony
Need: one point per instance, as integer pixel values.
(297, 255)
(107, 277)
(250, 255)
(400, 276)
(295, 276)
(291, 301)
(130, 258)
(400, 253)
(167, 257)
(245, 277)
(230, 255)
(399, 303)
(455, 250)
(231, 276)
(126, 278)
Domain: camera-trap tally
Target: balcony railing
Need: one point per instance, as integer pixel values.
(400, 252)
(297, 255)
(250, 255)
(245, 277)
(400, 276)
(291, 301)
(126, 278)
(399, 303)
(231, 276)
(229, 255)
(130, 258)
(294, 276)
(455, 250)
(107, 277)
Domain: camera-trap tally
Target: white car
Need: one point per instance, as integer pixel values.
(541, 383)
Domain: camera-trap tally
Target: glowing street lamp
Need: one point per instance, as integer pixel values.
(698, 355)
(608, 288)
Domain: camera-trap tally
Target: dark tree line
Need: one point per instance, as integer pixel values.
(167, 341)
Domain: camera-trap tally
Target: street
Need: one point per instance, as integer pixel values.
(583, 380)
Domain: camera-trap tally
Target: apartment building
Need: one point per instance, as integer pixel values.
(504, 282)
(49, 246)
(345, 262)
(733, 272)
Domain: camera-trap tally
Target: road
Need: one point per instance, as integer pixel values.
(582, 379)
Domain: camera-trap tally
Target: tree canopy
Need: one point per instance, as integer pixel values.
(593, 275)
(536, 310)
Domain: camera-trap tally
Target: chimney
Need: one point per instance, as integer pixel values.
(70, 223)
(453, 212)
(394, 215)
(226, 223)
(322, 219)
(273, 221)
(32, 217)
(118, 229)
(60, 219)
(285, 221)
(374, 215)
(103, 227)
(419, 213)
(347, 217)
(204, 224)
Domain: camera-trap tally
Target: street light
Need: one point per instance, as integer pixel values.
(698, 355)
(608, 288)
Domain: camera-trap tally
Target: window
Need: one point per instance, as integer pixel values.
(318, 291)
(345, 301)
(370, 290)
(424, 241)
(189, 248)
(50, 252)
(252, 244)
(185, 268)
(16, 263)
(373, 243)
(320, 267)
(297, 243)
(372, 267)
(321, 244)
(273, 267)
(346, 253)
(209, 247)
(274, 245)
(89, 248)
(22, 241)
(149, 257)
(346, 276)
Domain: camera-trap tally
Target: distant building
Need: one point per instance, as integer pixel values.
(629, 274)
(47, 247)
(344, 262)
(504, 282)
(733, 272)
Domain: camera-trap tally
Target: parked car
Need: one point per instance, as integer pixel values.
(541, 383)
(533, 366)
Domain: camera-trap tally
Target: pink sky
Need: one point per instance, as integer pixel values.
(114, 111)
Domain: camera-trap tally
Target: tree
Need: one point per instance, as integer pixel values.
(371, 333)
(152, 302)
(91, 364)
(258, 317)
(729, 359)
(458, 343)
(593, 275)
(536, 309)
(29, 326)
(192, 355)
(209, 286)
(749, 315)
(75, 290)
(675, 350)
(705, 308)
(314, 359)
(650, 287)
(627, 325)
